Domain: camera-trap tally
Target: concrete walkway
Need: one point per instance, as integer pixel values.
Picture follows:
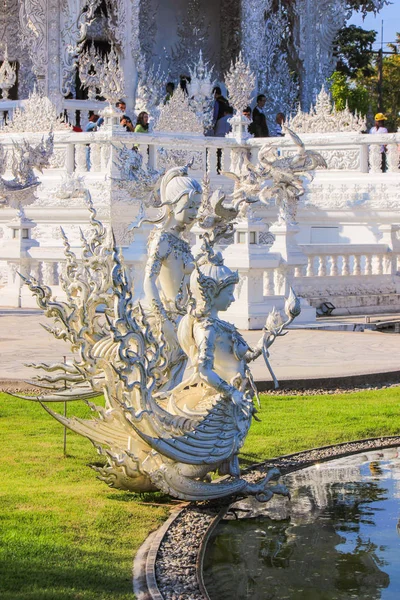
(301, 355)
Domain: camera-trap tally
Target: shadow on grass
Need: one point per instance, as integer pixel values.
(55, 573)
(143, 497)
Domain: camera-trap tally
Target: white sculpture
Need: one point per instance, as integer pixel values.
(200, 91)
(325, 118)
(90, 66)
(19, 191)
(278, 179)
(159, 430)
(8, 75)
(240, 81)
(178, 115)
(37, 114)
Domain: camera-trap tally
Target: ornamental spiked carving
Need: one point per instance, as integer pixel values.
(160, 428)
(37, 115)
(325, 118)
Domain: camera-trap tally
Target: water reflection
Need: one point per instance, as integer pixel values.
(337, 539)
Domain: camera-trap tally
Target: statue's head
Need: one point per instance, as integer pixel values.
(181, 195)
(212, 285)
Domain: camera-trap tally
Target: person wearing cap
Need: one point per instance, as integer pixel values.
(379, 127)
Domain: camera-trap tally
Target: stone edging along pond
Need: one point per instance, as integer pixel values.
(169, 565)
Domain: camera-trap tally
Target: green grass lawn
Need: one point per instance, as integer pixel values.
(65, 535)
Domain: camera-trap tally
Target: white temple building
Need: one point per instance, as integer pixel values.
(345, 245)
(45, 39)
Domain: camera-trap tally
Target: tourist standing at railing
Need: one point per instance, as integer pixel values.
(126, 122)
(260, 127)
(220, 103)
(121, 105)
(142, 123)
(379, 127)
(223, 127)
(279, 121)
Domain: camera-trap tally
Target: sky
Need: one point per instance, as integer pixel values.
(391, 22)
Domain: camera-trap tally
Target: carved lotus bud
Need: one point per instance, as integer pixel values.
(292, 305)
(274, 320)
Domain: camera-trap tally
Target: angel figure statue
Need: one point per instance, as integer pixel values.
(170, 261)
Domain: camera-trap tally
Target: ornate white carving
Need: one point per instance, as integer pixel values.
(315, 27)
(90, 66)
(240, 81)
(150, 91)
(363, 197)
(19, 191)
(112, 77)
(193, 33)
(71, 13)
(8, 75)
(178, 115)
(200, 91)
(33, 21)
(155, 425)
(275, 79)
(169, 157)
(38, 114)
(324, 118)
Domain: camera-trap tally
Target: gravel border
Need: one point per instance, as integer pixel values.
(174, 561)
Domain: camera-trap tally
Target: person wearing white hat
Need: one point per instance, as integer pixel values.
(379, 127)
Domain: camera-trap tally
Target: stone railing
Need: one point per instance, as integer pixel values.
(317, 271)
(347, 152)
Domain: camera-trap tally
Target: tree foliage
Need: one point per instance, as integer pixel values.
(366, 6)
(345, 92)
(353, 47)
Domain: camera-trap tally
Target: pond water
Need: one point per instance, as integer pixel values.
(338, 538)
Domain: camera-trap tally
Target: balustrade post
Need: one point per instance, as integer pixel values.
(95, 157)
(357, 265)
(35, 271)
(364, 158)
(368, 265)
(70, 158)
(334, 265)
(322, 266)
(310, 266)
(346, 265)
(47, 268)
(59, 272)
(105, 155)
(392, 156)
(375, 158)
(378, 264)
(84, 120)
(269, 283)
(81, 156)
(387, 264)
(298, 271)
(212, 161)
(153, 156)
